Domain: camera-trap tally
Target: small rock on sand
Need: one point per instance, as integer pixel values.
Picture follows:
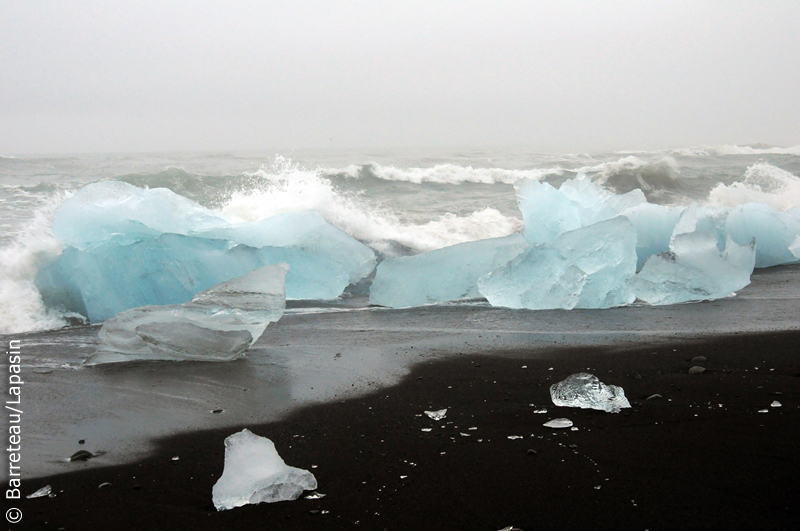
(697, 370)
(699, 359)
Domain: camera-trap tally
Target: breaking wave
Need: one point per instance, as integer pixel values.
(763, 183)
(288, 187)
(21, 306)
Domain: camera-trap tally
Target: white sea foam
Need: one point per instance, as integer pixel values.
(723, 150)
(455, 174)
(763, 183)
(287, 187)
(21, 306)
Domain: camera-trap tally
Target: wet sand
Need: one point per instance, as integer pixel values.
(699, 457)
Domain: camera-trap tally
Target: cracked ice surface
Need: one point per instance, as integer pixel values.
(218, 324)
(255, 473)
(586, 391)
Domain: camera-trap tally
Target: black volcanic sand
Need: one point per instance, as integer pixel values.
(701, 457)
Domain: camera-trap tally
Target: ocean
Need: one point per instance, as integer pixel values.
(397, 202)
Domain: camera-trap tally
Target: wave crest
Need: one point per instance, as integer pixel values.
(763, 183)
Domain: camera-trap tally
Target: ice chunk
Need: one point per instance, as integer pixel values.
(695, 270)
(774, 231)
(584, 268)
(111, 278)
(438, 414)
(255, 473)
(306, 231)
(547, 212)
(218, 324)
(442, 275)
(794, 248)
(41, 493)
(586, 391)
(654, 226)
(115, 210)
(558, 423)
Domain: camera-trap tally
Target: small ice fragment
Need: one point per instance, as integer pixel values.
(524, 366)
(586, 391)
(775, 403)
(437, 415)
(540, 411)
(763, 410)
(403, 477)
(574, 428)
(255, 473)
(104, 485)
(513, 437)
(473, 428)
(176, 458)
(558, 423)
(697, 370)
(41, 493)
(81, 455)
(314, 495)
(426, 429)
(597, 487)
(465, 434)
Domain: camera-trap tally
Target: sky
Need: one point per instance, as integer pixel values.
(126, 76)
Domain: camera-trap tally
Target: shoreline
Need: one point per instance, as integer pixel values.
(680, 461)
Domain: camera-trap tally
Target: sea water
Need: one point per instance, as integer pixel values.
(397, 203)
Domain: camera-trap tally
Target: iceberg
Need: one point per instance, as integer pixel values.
(586, 391)
(255, 473)
(695, 269)
(104, 214)
(218, 324)
(171, 269)
(774, 231)
(548, 212)
(445, 274)
(118, 211)
(306, 231)
(585, 268)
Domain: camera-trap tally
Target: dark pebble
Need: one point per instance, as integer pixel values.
(697, 370)
(699, 359)
(82, 441)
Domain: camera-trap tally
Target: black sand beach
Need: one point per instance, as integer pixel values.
(699, 457)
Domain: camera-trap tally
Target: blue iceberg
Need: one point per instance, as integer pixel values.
(171, 269)
(130, 247)
(306, 231)
(445, 274)
(585, 268)
(774, 231)
(116, 211)
(695, 269)
(218, 324)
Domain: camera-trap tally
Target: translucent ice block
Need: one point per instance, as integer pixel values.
(586, 391)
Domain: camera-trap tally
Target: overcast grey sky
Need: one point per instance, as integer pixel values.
(145, 75)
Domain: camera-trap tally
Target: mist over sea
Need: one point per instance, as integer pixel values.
(398, 202)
